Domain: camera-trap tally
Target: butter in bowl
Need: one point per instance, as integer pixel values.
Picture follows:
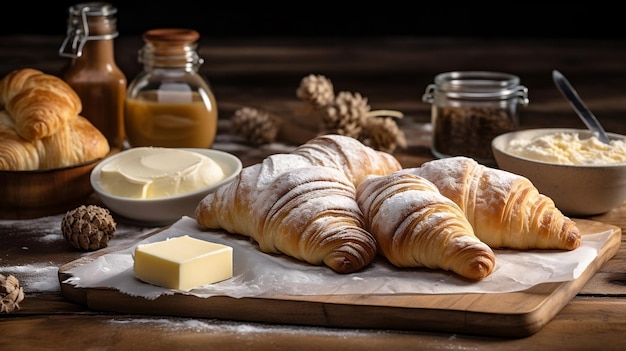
(156, 186)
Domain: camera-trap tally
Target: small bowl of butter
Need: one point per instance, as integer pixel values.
(581, 174)
(156, 186)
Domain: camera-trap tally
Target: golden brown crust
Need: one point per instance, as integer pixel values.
(308, 212)
(505, 209)
(41, 127)
(415, 226)
(77, 142)
(349, 155)
(39, 103)
(303, 204)
(15, 153)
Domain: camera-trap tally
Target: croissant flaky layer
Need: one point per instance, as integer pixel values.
(40, 127)
(351, 156)
(303, 204)
(505, 209)
(78, 141)
(415, 226)
(338, 203)
(39, 103)
(309, 213)
(15, 152)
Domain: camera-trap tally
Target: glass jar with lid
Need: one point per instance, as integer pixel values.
(470, 108)
(170, 104)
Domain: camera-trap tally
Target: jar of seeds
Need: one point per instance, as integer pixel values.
(470, 108)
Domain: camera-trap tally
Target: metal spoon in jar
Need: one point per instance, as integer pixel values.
(579, 106)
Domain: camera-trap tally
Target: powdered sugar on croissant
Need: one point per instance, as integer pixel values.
(303, 204)
(287, 206)
(415, 226)
(351, 156)
(505, 209)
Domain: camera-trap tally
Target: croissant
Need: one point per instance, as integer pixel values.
(78, 141)
(351, 156)
(38, 102)
(16, 154)
(415, 226)
(288, 206)
(505, 209)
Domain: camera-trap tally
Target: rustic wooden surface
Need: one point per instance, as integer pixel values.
(514, 315)
(392, 73)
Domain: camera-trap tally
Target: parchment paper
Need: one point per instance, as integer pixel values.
(257, 273)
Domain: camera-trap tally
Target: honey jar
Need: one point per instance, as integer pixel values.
(170, 104)
(470, 108)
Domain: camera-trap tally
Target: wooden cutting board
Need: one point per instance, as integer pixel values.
(517, 314)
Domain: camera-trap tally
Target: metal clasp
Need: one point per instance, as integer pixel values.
(429, 93)
(520, 92)
(78, 32)
(522, 95)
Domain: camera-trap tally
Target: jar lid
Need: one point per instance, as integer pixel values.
(478, 84)
(95, 8)
(88, 21)
(171, 35)
(170, 47)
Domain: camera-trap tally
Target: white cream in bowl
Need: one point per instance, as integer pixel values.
(569, 148)
(153, 172)
(583, 176)
(134, 184)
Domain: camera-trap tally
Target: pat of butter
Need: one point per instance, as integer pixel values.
(183, 263)
(154, 172)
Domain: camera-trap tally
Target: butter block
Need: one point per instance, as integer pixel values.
(183, 263)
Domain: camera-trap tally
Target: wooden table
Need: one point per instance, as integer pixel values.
(392, 73)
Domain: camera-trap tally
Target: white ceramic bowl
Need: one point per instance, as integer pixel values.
(577, 190)
(163, 211)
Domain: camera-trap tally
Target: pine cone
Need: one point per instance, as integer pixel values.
(382, 133)
(254, 125)
(346, 115)
(316, 90)
(11, 294)
(88, 227)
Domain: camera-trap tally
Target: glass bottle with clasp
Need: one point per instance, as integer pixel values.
(169, 104)
(92, 71)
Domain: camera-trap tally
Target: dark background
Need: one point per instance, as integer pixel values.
(411, 18)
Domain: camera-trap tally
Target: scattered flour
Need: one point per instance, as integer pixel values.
(35, 277)
(43, 276)
(214, 325)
